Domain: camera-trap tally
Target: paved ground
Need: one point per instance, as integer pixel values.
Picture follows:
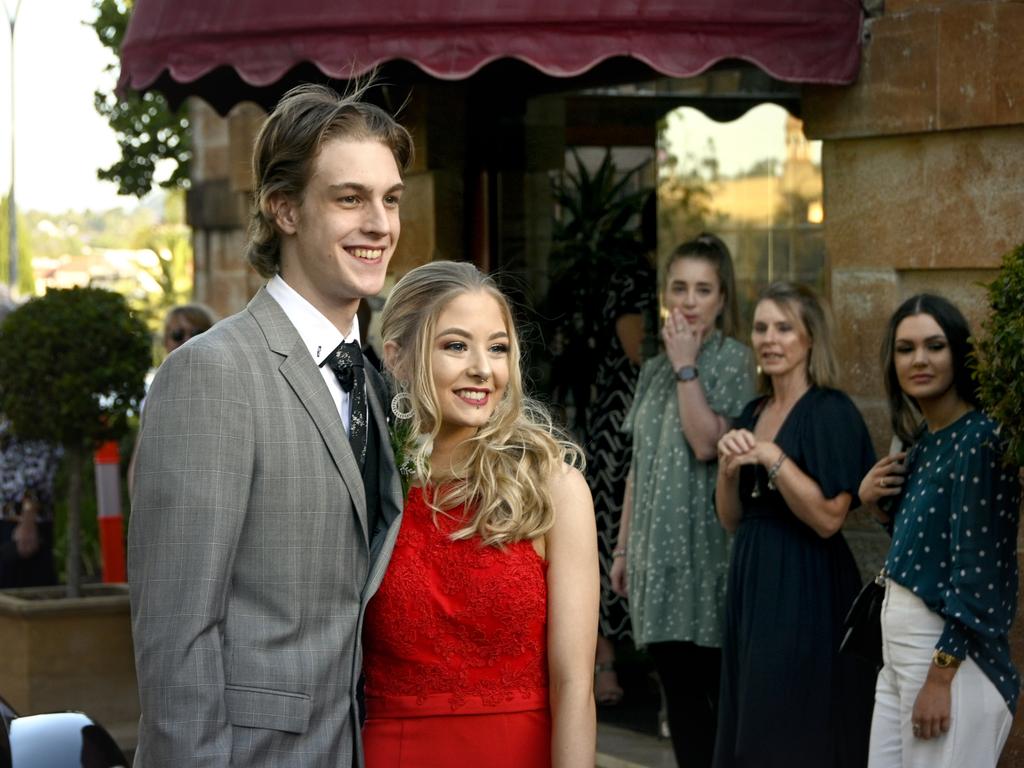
(619, 747)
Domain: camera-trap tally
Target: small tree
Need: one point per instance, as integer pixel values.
(148, 131)
(72, 366)
(1000, 354)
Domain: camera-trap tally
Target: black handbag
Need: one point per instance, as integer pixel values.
(862, 627)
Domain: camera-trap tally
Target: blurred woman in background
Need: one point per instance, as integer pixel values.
(788, 474)
(672, 556)
(185, 321)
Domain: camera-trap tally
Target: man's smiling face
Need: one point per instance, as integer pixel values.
(337, 243)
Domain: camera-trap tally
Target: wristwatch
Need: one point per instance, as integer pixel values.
(944, 660)
(686, 373)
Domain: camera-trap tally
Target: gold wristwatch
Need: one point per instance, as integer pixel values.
(944, 660)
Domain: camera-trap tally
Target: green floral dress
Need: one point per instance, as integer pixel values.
(678, 553)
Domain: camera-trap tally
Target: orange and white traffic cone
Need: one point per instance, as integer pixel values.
(107, 460)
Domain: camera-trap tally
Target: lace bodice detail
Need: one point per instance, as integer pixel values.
(455, 625)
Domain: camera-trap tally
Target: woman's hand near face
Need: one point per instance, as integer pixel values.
(682, 340)
(884, 479)
(701, 426)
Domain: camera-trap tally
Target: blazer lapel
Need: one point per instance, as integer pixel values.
(302, 375)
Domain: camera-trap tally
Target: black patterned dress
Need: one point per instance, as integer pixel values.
(27, 468)
(609, 450)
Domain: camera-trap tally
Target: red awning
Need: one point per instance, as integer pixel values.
(178, 42)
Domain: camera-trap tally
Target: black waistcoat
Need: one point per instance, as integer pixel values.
(371, 474)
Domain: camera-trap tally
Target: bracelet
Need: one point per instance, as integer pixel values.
(774, 471)
(944, 660)
(618, 553)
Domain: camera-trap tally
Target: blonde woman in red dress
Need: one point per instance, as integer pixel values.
(479, 643)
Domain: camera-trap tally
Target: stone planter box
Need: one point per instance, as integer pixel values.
(71, 654)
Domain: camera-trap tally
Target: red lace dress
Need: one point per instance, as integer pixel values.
(455, 652)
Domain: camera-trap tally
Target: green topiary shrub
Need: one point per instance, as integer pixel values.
(999, 354)
(72, 366)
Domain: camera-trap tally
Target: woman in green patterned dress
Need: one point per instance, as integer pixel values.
(672, 555)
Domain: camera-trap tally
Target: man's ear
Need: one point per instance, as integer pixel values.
(283, 212)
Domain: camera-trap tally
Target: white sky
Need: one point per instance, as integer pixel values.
(61, 140)
(759, 133)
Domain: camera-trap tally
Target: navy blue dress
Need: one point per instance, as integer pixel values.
(787, 698)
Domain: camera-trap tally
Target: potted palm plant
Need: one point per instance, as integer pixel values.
(596, 233)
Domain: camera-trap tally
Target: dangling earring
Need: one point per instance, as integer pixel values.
(401, 404)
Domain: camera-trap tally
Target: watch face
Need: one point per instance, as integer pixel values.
(687, 373)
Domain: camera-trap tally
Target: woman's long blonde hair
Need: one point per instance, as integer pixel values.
(504, 474)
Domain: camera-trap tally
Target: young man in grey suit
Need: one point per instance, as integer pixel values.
(266, 500)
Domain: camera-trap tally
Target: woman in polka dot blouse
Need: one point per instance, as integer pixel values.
(946, 694)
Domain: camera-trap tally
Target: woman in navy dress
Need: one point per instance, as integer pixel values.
(948, 689)
(788, 474)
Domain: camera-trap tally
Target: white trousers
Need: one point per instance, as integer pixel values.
(979, 718)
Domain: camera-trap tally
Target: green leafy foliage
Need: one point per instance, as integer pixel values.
(684, 192)
(596, 213)
(25, 249)
(147, 130)
(999, 354)
(72, 364)
(596, 234)
(169, 238)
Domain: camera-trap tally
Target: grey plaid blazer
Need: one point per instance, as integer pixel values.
(249, 558)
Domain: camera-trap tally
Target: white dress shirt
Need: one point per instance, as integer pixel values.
(319, 334)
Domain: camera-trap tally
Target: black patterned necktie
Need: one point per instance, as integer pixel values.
(347, 363)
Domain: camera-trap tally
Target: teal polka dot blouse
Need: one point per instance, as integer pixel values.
(955, 543)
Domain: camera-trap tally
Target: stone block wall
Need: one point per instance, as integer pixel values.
(923, 170)
(218, 205)
(923, 182)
